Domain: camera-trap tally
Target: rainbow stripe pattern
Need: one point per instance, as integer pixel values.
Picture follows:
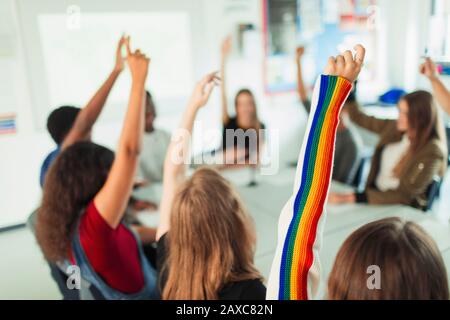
(316, 170)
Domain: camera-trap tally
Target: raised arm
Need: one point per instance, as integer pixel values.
(179, 149)
(295, 270)
(225, 52)
(112, 199)
(366, 121)
(428, 68)
(89, 114)
(301, 89)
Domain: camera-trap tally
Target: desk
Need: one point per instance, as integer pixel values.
(265, 200)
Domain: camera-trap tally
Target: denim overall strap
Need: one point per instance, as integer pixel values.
(149, 291)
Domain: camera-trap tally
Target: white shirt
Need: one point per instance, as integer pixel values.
(390, 157)
(151, 160)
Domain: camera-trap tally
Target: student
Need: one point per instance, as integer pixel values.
(410, 262)
(348, 141)
(403, 256)
(206, 239)
(296, 268)
(410, 152)
(85, 196)
(154, 145)
(428, 68)
(246, 122)
(68, 124)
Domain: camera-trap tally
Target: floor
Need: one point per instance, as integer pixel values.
(25, 275)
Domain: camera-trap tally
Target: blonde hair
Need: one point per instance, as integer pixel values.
(211, 240)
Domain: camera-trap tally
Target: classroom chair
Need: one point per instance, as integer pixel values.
(433, 192)
(362, 171)
(87, 292)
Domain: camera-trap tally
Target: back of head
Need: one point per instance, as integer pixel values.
(73, 180)
(149, 103)
(60, 121)
(211, 239)
(409, 263)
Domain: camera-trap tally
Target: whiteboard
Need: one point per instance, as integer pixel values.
(78, 59)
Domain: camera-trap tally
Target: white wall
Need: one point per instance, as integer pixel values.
(22, 152)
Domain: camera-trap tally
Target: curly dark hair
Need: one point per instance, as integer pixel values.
(73, 180)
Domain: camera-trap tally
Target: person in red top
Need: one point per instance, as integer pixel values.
(86, 192)
(113, 253)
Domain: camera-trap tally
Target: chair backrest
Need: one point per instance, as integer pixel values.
(432, 192)
(447, 132)
(359, 182)
(56, 273)
(60, 277)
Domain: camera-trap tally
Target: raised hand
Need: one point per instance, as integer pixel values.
(120, 60)
(226, 47)
(428, 69)
(346, 65)
(299, 52)
(138, 64)
(203, 89)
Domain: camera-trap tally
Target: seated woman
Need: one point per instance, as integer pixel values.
(242, 137)
(348, 142)
(206, 238)
(410, 152)
(386, 259)
(86, 192)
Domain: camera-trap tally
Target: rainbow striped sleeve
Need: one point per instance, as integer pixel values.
(295, 269)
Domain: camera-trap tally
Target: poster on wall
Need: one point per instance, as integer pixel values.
(310, 17)
(354, 13)
(323, 27)
(280, 35)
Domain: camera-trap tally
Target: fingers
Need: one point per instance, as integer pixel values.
(340, 62)
(422, 68)
(209, 78)
(348, 57)
(360, 54)
(227, 41)
(122, 40)
(208, 89)
(226, 45)
(127, 45)
(331, 66)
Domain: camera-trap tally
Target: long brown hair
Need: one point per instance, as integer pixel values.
(411, 266)
(424, 124)
(73, 180)
(211, 241)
